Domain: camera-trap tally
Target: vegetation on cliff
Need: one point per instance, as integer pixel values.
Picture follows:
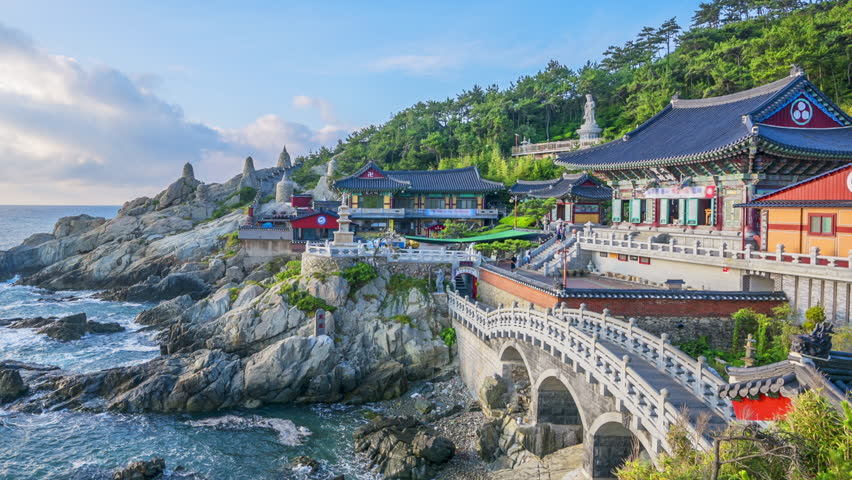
(732, 45)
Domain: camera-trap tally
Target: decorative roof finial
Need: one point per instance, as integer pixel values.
(796, 70)
(676, 96)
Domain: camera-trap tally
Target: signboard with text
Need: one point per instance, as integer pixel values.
(681, 192)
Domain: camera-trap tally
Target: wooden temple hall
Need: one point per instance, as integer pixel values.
(691, 163)
(580, 198)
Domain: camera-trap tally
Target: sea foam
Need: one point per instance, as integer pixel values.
(289, 434)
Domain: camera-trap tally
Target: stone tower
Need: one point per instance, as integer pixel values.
(284, 189)
(249, 175)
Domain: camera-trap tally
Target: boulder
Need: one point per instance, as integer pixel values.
(387, 381)
(181, 191)
(72, 327)
(67, 226)
(488, 441)
(174, 285)
(166, 312)
(423, 405)
(12, 385)
(306, 463)
(492, 393)
(141, 470)
(403, 448)
(543, 439)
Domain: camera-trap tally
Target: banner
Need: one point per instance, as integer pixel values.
(681, 192)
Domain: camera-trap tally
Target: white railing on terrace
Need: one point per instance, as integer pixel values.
(575, 334)
(422, 255)
(546, 147)
(722, 252)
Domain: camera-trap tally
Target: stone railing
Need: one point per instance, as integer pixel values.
(546, 147)
(419, 255)
(377, 212)
(575, 337)
(722, 255)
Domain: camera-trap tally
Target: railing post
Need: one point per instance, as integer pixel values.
(722, 249)
(779, 253)
(661, 409)
(814, 255)
(698, 387)
(747, 252)
(849, 260)
(661, 351)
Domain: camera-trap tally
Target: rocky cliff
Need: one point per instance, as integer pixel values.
(253, 343)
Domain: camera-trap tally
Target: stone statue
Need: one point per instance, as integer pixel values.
(439, 280)
(284, 159)
(589, 131)
(589, 112)
(814, 344)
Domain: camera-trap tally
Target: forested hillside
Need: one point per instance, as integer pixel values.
(730, 45)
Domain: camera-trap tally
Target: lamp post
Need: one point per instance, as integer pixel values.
(515, 216)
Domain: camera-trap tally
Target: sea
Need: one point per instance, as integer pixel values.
(234, 444)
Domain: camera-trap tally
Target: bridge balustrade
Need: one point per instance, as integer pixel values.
(574, 337)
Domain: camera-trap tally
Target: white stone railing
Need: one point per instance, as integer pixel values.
(574, 337)
(546, 147)
(701, 254)
(419, 255)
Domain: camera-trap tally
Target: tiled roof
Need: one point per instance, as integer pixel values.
(568, 184)
(693, 129)
(790, 378)
(458, 180)
(796, 203)
(673, 294)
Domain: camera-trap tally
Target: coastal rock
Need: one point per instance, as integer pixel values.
(174, 285)
(66, 329)
(141, 470)
(166, 312)
(488, 441)
(305, 463)
(292, 368)
(403, 448)
(12, 385)
(181, 191)
(67, 226)
(387, 381)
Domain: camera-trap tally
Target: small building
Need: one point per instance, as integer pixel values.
(688, 165)
(314, 226)
(816, 212)
(281, 229)
(580, 198)
(411, 201)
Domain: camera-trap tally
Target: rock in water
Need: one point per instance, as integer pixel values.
(66, 329)
(141, 470)
(12, 385)
(403, 448)
(304, 462)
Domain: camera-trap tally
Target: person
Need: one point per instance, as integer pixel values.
(514, 260)
(559, 233)
(527, 258)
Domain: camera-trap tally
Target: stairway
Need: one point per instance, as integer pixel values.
(462, 288)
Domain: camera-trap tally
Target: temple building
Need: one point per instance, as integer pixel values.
(816, 212)
(580, 198)
(412, 202)
(691, 163)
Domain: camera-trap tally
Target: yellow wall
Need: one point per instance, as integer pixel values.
(794, 232)
(587, 217)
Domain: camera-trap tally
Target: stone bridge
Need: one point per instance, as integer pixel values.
(619, 387)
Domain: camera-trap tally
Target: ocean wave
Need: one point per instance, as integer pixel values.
(289, 434)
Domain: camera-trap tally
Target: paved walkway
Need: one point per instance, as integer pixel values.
(588, 282)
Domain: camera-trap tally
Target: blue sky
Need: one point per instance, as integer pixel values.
(211, 82)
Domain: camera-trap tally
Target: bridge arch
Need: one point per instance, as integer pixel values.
(555, 400)
(515, 369)
(611, 443)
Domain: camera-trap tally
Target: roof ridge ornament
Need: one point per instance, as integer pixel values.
(796, 70)
(676, 97)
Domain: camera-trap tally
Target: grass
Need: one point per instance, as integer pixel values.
(523, 222)
(303, 300)
(402, 320)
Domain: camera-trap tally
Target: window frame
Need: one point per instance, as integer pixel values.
(833, 231)
(644, 260)
(623, 257)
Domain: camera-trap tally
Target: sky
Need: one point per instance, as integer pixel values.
(104, 101)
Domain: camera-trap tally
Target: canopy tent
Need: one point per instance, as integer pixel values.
(491, 237)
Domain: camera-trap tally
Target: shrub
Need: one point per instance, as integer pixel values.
(813, 316)
(402, 319)
(359, 275)
(400, 283)
(233, 293)
(303, 300)
(448, 335)
(745, 322)
(292, 269)
(246, 196)
(523, 222)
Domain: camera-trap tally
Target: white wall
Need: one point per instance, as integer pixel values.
(696, 276)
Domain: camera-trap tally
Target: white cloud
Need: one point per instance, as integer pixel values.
(76, 134)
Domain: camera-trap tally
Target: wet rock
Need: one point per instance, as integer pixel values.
(166, 312)
(384, 383)
(66, 329)
(141, 470)
(303, 462)
(403, 448)
(12, 385)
